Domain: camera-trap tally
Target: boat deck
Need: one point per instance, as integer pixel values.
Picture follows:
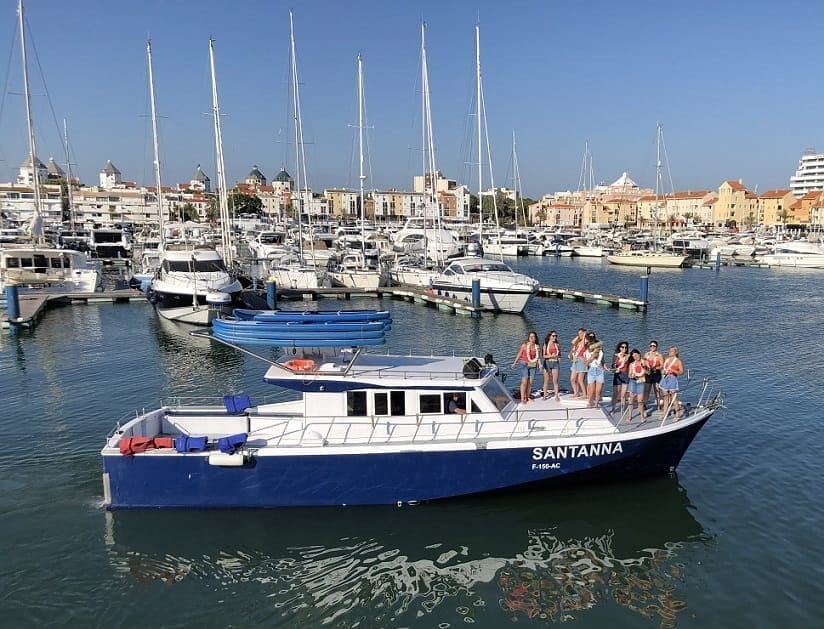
(283, 427)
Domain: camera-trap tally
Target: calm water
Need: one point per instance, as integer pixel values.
(733, 541)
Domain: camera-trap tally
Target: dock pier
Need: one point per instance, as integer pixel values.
(30, 308)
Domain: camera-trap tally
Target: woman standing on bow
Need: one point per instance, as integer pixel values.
(527, 360)
(552, 363)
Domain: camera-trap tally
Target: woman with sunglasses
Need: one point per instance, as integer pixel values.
(620, 377)
(637, 372)
(527, 360)
(655, 362)
(552, 363)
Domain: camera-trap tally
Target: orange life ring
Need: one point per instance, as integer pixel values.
(300, 364)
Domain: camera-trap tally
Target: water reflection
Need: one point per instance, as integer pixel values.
(541, 556)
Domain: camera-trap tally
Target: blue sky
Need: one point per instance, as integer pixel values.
(734, 86)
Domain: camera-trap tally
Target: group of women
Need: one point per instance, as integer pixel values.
(635, 376)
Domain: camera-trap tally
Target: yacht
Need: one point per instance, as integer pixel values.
(35, 269)
(502, 289)
(191, 285)
(796, 253)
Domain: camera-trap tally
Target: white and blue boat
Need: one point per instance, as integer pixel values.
(376, 429)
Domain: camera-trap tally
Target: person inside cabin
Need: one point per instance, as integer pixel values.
(672, 368)
(527, 361)
(455, 406)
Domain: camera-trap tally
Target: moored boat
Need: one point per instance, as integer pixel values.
(376, 429)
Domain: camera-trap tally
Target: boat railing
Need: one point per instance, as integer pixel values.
(474, 427)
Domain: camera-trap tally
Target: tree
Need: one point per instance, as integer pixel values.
(189, 213)
(240, 203)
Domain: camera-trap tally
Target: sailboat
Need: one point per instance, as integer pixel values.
(36, 267)
(352, 271)
(191, 283)
(422, 248)
(651, 257)
(501, 288)
(290, 271)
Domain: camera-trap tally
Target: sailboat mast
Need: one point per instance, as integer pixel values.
(657, 184)
(155, 146)
(68, 175)
(361, 176)
(480, 148)
(35, 171)
(298, 132)
(223, 196)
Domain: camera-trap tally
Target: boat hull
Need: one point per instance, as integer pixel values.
(329, 476)
(494, 299)
(661, 260)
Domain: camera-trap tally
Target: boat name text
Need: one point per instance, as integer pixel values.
(576, 451)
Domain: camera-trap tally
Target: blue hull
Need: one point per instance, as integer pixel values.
(188, 481)
(316, 316)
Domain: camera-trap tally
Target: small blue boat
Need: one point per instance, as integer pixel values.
(311, 316)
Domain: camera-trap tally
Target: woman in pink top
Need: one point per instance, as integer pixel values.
(528, 361)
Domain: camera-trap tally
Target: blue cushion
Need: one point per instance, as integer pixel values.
(185, 443)
(231, 443)
(236, 403)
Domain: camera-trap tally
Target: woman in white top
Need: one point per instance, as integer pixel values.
(594, 357)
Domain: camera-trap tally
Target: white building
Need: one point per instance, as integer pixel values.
(810, 174)
(109, 176)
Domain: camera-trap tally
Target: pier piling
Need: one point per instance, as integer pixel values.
(644, 289)
(271, 294)
(12, 305)
(476, 296)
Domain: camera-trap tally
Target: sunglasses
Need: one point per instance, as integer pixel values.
(553, 336)
(623, 346)
(653, 345)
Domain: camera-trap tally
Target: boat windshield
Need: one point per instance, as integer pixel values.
(486, 266)
(497, 394)
(200, 266)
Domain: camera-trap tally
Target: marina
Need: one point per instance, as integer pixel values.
(714, 523)
(223, 402)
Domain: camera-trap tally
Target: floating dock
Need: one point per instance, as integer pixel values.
(32, 307)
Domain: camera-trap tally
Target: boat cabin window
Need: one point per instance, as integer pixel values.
(392, 403)
(56, 263)
(356, 403)
(12, 263)
(495, 391)
(209, 266)
(430, 403)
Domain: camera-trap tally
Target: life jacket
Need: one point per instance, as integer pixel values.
(134, 445)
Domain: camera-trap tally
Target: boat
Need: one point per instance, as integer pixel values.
(796, 253)
(646, 257)
(192, 285)
(501, 288)
(370, 429)
(310, 316)
(651, 257)
(36, 267)
(42, 269)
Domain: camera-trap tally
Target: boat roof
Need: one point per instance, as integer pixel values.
(358, 370)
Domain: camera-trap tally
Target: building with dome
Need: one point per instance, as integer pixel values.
(200, 182)
(255, 178)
